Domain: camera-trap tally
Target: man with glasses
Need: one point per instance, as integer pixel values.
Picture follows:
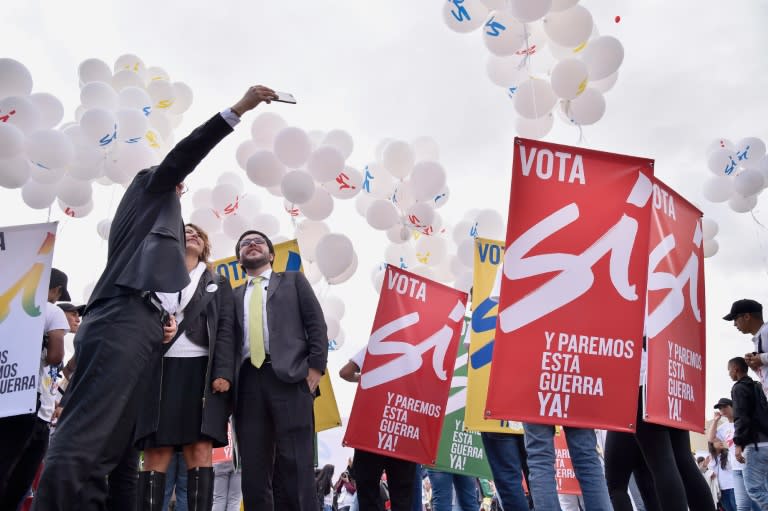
(125, 323)
(283, 354)
(747, 317)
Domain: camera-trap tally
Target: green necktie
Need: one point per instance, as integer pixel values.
(255, 324)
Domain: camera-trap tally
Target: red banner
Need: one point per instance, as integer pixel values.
(221, 454)
(567, 484)
(400, 402)
(676, 321)
(572, 305)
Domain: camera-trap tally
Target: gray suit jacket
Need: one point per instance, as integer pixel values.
(298, 337)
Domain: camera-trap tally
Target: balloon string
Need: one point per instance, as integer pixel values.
(760, 239)
(49, 214)
(582, 139)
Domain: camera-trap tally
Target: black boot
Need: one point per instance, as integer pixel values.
(200, 489)
(150, 491)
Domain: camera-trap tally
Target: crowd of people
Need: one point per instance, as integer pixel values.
(168, 355)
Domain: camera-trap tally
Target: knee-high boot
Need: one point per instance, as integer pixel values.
(200, 489)
(151, 490)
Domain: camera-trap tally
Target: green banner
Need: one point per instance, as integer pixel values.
(461, 452)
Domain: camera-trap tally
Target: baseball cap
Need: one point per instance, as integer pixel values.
(68, 307)
(724, 401)
(741, 307)
(59, 278)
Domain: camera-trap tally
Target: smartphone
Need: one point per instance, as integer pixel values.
(285, 97)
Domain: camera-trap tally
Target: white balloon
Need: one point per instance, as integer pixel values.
(378, 182)
(50, 108)
(49, 149)
(267, 224)
(748, 182)
(162, 94)
(224, 198)
(325, 163)
(135, 157)
(711, 247)
(463, 230)
(420, 215)
(15, 78)
(398, 234)
(464, 16)
(316, 137)
(381, 214)
(160, 123)
(46, 176)
(718, 188)
(99, 127)
(720, 143)
(425, 148)
(11, 140)
(466, 252)
(333, 307)
(265, 128)
(207, 219)
(534, 98)
(346, 274)
(297, 186)
(264, 169)
(21, 112)
(346, 185)
(14, 172)
(234, 225)
(244, 151)
(248, 206)
(534, 128)
(99, 95)
(709, 227)
(569, 27)
(506, 71)
(233, 179)
(603, 56)
(135, 98)
(332, 327)
(184, 96)
(341, 140)
(37, 195)
(490, 224)
(221, 245)
(308, 235)
(125, 78)
(529, 10)
(88, 163)
(131, 125)
(74, 192)
(201, 198)
(561, 5)
(741, 204)
(569, 78)
(310, 271)
(605, 84)
(442, 197)
(503, 34)
(157, 73)
(400, 255)
(424, 271)
(377, 278)
(320, 206)
(722, 162)
(335, 254)
(129, 62)
(427, 180)
(587, 108)
(403, 196)
(292, 146)
(363, 202)
(76, 211)
(398, 158)
(494, 4)
(431, 250)
(464, 282)
(750, 151)
(103, 228)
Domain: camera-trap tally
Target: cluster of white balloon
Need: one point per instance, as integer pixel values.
(740, 173)
(125, 123)
(570, 81)
(710, 229)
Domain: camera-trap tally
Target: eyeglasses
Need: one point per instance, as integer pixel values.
(252, 241)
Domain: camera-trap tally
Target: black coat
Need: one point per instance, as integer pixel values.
(219, 319)
(146, 240)
(744, 408)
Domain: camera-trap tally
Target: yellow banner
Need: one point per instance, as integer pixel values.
(488, 257)
(288, 258)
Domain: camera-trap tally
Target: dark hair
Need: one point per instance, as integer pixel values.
(205, 255)
(723, 454)
(740, 364)
(324, 480)
(246, 233)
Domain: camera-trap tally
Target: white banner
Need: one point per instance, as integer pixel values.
(26, 252)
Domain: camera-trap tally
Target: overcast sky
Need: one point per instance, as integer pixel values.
(692, 72)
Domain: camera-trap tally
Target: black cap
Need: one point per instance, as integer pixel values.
(743, 306)
(59, 278)
(68, 307)
(724, 401)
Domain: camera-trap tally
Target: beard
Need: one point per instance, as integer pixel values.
(255, 262)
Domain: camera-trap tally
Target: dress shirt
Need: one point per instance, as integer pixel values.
(265, 276)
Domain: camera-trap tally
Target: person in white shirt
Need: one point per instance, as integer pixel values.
(747, 317)
(25, 437)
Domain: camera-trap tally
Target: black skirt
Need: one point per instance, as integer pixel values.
(181, 404)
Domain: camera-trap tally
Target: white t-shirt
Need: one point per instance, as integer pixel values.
(358, 358)
(725, 433)
(55, 319)
(762, 372)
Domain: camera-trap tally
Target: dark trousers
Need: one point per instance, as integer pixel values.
(667, 454)
(274, 423)
(367, 468)
(28, 454)
(115, 491)
(118, 339)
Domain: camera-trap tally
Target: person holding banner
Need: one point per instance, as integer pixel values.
(281, 357)
(125, 323)
(197, 367)
(25, 437)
